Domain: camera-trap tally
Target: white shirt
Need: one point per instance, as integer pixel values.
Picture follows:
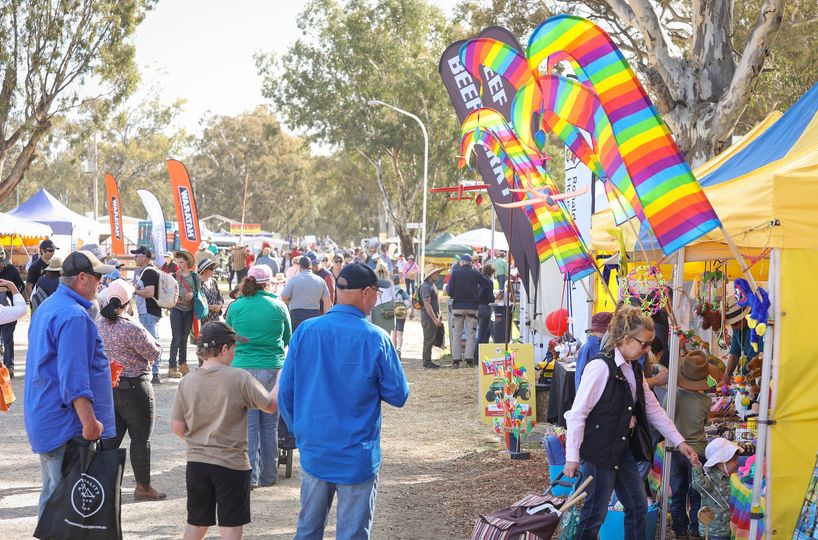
(590, 390)
(13, 312)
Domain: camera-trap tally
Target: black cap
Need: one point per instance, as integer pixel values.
(359, 276)
(218, 333)
(47, 244)
(142, 250)
(84, 262)
(304, 262)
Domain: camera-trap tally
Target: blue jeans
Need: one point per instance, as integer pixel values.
(681, 476)
(297, 316)
(501, 281)
(51, 471)
(483, 323)
(356, 507)
(629, 488)
(150, 323)
(262, 435)
(7, 335)
(181, 323)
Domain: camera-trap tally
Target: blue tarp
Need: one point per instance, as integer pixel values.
(772, 145)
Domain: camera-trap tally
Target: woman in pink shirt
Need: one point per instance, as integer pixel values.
(608, 421)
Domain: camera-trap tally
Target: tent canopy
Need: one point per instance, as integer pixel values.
(439, 247)
(758, 187)
(12, 225)
(44, 208)
(480, 238)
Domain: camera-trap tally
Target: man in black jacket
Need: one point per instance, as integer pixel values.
(463, 289)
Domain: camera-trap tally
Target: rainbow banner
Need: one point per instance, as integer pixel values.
(673, 202)
(554, 229)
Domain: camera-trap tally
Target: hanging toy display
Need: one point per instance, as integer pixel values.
(759, 305)
(646, 286)
(516, 422)
(709, 299)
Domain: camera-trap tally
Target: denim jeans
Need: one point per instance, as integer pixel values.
(629, 488)
(151, 322)
(51, 471)
(7, 335)
(501, 281)
(262, 435)
(297, 316)
(681, 476)
(181, 323)
(356, 508)
(483, 323)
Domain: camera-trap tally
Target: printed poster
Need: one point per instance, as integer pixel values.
(807, 526)
(494, 353)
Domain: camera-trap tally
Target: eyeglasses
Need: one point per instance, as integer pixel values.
(95, 274)
(645, 344)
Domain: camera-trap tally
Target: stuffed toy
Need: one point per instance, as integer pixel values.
(759, 305)
(709, 295)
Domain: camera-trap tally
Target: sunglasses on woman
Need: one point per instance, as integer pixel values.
(645, 344)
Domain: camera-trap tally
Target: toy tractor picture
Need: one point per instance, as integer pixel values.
(523, 392)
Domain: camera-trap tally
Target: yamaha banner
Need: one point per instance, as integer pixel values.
(185, 206)
(115, 215)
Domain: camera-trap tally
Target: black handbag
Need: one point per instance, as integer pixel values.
(440, 337)
(86, 504)
(640, 443)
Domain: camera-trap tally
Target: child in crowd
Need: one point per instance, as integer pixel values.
(713, 484)
(210, 414)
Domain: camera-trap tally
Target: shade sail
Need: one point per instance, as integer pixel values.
(12, 225)
(44, 208)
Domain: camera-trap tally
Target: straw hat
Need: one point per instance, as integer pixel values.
(55, 264)
(430, 270)
(733, 312)
(182, 254)
(694, 368)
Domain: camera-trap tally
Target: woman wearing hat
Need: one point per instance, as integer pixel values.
(47, 283)
(181, 316)
(132, 346)
(692, 412)
(210, 287)
(263, 319)
(410, 274)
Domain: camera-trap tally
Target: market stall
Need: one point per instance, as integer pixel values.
(18, 236)
(70, 229)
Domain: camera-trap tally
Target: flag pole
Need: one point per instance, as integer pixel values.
(243, 208)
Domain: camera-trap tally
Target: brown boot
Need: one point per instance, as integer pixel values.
(183, 369)
(144, 492)
(173, 373)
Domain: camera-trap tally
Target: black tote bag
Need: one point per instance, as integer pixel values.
(86, 504)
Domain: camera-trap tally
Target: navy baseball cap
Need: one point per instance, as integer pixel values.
(142, 250)
(359, 276)
(465, 258)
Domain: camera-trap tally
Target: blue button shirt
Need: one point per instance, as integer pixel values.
(65, 361)
(338, 369)
(741, 344)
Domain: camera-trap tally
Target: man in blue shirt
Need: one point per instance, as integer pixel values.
(68, 377)
(592, 345)
(740, 344)
(338, 369)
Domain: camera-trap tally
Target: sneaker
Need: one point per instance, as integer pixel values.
(455, 365)
(173, 373)
(183, 369)
(431, 365)
(11, 372)
(155, 379)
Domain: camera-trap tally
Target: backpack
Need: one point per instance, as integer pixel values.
(400, 310)
(37, 298)
(168, 293)
(417, 302)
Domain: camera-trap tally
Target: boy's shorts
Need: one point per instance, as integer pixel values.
(213, 487)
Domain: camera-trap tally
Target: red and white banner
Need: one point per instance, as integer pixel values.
(185, 203)
(115, 215)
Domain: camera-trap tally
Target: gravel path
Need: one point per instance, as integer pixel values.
(441, 467)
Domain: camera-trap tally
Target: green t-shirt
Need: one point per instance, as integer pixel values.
(692, 412)
(500, 267)
(265, 321)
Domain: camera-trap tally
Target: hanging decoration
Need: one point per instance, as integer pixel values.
(516, 422)
(647, 286)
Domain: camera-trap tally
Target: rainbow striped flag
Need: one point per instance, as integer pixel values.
(673, 202)
(554, 229)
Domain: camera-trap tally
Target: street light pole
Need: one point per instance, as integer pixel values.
(375, 102)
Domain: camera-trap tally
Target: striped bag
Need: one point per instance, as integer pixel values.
(515, 523)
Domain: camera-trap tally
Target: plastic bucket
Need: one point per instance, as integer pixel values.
(613, 528)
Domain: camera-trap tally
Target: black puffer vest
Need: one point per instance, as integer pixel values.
(607, 425)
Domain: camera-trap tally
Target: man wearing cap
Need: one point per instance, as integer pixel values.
(338, 369)
(429, 313)
(38, 266)
(68, 378)
(305, 294)
(204, 253)
(593, 343)
(146, 285)
(740, 344)
(210, 414)
(9, 272)
(464, 290)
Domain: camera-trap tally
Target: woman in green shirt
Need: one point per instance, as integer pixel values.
(263, 319)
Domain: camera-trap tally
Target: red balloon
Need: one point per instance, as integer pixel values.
(557, 322)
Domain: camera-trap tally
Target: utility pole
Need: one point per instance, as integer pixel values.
(96, 179)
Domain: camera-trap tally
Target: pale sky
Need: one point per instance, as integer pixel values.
(202, 50)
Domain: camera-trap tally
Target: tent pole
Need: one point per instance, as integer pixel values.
(673, 373)
(764, 402)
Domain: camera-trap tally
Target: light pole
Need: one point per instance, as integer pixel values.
(375, 102)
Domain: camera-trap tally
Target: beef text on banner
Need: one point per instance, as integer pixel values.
(115, 215)
(159, 237)
(185, 206)
(465, 94)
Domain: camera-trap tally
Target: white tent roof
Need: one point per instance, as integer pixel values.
(11, 225)
(480, 238)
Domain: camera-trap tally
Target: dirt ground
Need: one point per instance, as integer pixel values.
(441, 467)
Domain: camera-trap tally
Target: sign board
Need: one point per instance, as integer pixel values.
(494, 353)
(246, 228)
(807, 526)
(414, 225)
